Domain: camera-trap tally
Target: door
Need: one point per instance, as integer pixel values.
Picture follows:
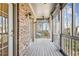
(56, 26)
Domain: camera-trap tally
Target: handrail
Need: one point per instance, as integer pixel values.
(71, 37)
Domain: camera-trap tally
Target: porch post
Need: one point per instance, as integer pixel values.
(10, 39)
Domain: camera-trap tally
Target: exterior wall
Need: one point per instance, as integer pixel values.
(24, 28)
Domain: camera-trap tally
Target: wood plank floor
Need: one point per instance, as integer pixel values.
(42, 47)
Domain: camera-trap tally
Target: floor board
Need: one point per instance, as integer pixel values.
(42, 47)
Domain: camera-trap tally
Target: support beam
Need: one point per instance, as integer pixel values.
(32, 10)
(34, 28)
(50, 25)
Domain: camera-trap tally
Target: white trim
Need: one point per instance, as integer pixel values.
(32, 10)
(10, 39)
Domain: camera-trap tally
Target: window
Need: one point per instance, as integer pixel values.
(56, 25)
(76, 27)
(67, 19)
(42, 28)
(76, 18)
(3, 29)
(67, 27)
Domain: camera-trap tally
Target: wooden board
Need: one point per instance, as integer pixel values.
(42, 48)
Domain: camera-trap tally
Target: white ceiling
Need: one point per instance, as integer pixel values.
(42, 9)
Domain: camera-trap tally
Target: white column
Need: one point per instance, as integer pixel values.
(34, 28)
(10, 40)
(50, 28)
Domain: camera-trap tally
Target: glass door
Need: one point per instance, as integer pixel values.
(56, 27)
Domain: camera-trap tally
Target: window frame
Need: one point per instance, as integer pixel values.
(4, 18)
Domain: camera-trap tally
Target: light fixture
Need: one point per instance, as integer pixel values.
(29, 13)
(43, 17)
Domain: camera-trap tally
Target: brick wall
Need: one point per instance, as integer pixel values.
(24, 28)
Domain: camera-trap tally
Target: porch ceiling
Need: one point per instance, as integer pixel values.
(42, 9)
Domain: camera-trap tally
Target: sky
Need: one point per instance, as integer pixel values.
(68, 15)
(77, 14)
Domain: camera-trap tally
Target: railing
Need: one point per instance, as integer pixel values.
(56, 40)
(69, 45)
(3, 44)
